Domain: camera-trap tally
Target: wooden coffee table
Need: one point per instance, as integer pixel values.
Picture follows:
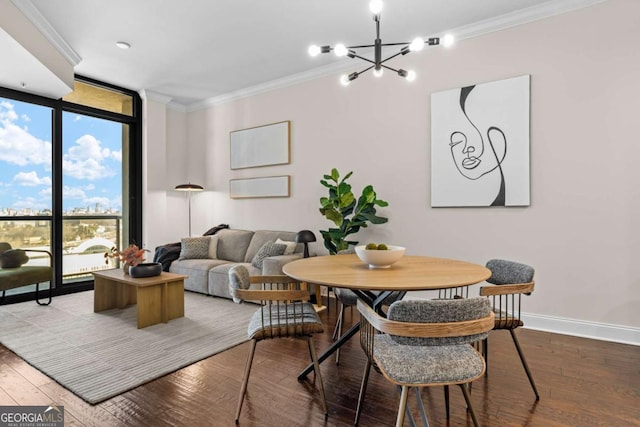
(159, 298)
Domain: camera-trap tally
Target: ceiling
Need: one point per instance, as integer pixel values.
(193, 50)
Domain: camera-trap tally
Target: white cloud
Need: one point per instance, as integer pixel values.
(17, 145)
(7, 113)
(85, 160)
(73, 193)
(31, 179)
(25, 118)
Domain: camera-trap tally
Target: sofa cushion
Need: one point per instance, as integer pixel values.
(267, 250)
(261, 237)
(198, 272)
(194, 247)
(233, 244)
(213, 247)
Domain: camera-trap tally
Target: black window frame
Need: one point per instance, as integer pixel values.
(134, 121)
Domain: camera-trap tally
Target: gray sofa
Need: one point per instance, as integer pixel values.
(211, 276)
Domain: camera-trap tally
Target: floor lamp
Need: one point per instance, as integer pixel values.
(189, 188)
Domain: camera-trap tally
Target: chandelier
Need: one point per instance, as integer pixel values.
(377, 63)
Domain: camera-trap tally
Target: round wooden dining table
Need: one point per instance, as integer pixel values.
(374, 285)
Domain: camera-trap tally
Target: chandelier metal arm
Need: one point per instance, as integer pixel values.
(361, 46)
(431, 42)
(391, 57)
(354, 55)
(389, 68)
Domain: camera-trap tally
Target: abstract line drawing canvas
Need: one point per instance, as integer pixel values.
(480, 145)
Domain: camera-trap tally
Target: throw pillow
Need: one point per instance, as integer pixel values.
(13, 258)
(194, 247)
(291, 246)
(267, 250)
(213, 246)
(4, 246)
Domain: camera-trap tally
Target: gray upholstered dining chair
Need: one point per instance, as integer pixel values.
(284, 312)
(425, 343)
(511, 280)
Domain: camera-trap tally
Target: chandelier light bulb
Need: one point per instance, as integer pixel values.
(416, 45)
(344, 80)
(448, 40)
(378, 72)
(314, 50)
(411, 75)
(340, 50)
(375, 6)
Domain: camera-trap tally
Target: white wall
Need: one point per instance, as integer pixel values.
(165, 160)
(581, 230)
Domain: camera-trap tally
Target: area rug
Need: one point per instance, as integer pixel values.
(101, 355)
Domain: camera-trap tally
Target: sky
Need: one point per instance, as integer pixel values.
(92, 159)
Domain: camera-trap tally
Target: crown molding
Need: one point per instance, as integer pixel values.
(502, 22)
(176, 106)
(521, 17)
(167, 101)
(291, 80)
(33, 14)
(150, 95)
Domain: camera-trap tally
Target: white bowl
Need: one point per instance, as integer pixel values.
(380, 258)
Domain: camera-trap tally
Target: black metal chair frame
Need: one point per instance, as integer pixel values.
(16, 272)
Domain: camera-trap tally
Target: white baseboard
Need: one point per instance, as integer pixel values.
(566, 326)
(582, 328)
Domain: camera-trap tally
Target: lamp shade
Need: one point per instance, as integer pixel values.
(189, 187)
(305, 236)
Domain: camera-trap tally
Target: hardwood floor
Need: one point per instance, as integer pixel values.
(582, 382)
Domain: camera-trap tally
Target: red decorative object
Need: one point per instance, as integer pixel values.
(130, 256)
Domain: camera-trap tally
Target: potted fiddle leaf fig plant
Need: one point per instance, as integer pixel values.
(347, 213)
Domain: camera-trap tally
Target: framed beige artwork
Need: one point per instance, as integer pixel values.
(260, 146)
(269, 186)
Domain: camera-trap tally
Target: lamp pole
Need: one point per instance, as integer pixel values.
(189, 188)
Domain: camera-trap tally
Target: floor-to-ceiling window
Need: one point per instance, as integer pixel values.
(70, 175)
